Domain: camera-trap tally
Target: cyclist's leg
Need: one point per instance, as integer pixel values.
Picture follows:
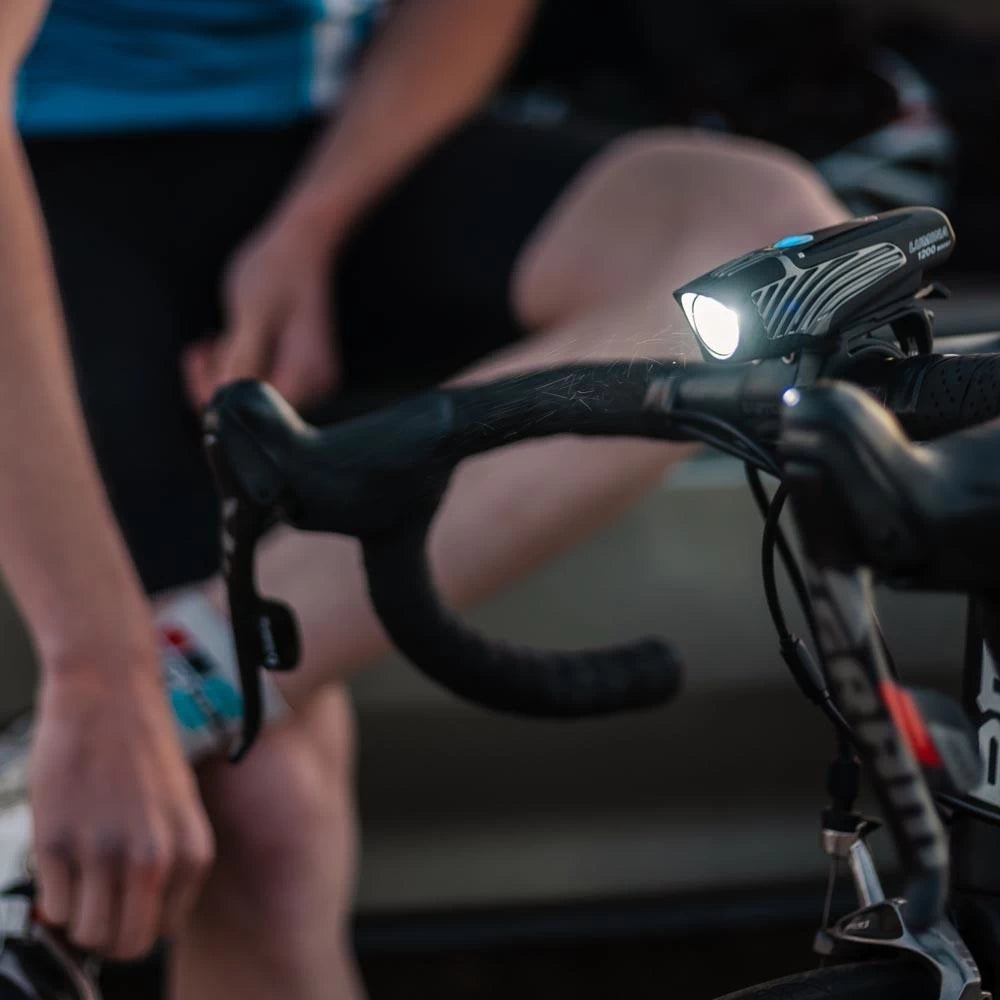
(272, 920)
(672, 205)
(108, 229)
(660, 206)
(112, 209)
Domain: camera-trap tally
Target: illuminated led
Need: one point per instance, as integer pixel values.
(717, 326)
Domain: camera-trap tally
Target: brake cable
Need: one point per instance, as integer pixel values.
(803, 665)
(787, 558)
(742, 445)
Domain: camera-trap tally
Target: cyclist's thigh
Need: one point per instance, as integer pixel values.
(141, 228)
(424, 288)
(126, 338)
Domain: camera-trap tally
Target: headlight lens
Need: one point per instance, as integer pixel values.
(717, 326)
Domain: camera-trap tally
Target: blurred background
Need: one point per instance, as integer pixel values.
(510, 858)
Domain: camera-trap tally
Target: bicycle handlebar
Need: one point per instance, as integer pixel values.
(931, 395)
(499, 675)
(380, 478)
(590, 400)
(937, 395)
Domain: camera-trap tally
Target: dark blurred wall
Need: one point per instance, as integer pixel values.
(803, 74)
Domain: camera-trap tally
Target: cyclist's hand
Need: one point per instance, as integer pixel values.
(279, 318)
(121, 840)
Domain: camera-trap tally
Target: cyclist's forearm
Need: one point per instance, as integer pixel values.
(59, 548)
(434, 62)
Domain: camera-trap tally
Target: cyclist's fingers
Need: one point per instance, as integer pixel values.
(141, 910)
(198, 369)
(180, 901)
(97, 904)
(301, 383)
(306, 361)
(243, 352)
(195, 846)
(55, 886)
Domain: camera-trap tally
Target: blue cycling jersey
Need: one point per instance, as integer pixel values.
(120, 65)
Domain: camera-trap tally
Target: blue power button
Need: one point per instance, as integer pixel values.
(793, 241)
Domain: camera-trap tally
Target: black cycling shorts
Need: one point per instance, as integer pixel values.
(143, 225)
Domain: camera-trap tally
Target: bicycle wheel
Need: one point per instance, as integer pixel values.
(893, 980)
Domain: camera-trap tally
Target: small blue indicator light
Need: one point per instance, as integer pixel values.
(793, 241)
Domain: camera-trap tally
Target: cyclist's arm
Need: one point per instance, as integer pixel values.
(104, 861)
(59, 547)
(433, 64)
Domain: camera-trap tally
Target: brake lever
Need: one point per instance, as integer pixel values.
(264, 630)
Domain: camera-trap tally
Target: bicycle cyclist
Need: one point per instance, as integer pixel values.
(182, 148)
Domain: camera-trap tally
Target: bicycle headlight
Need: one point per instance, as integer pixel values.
(717, 326)
(816, 286)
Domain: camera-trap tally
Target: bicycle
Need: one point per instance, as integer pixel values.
(785, 332)
(764, 395)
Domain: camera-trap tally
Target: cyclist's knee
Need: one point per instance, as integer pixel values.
(693, 180)
(652, 199)
(284, 817)
(764, 189)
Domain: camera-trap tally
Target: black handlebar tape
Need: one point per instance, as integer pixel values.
(936, 395)
(587, 399)
(598, 399)
(496, 674)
